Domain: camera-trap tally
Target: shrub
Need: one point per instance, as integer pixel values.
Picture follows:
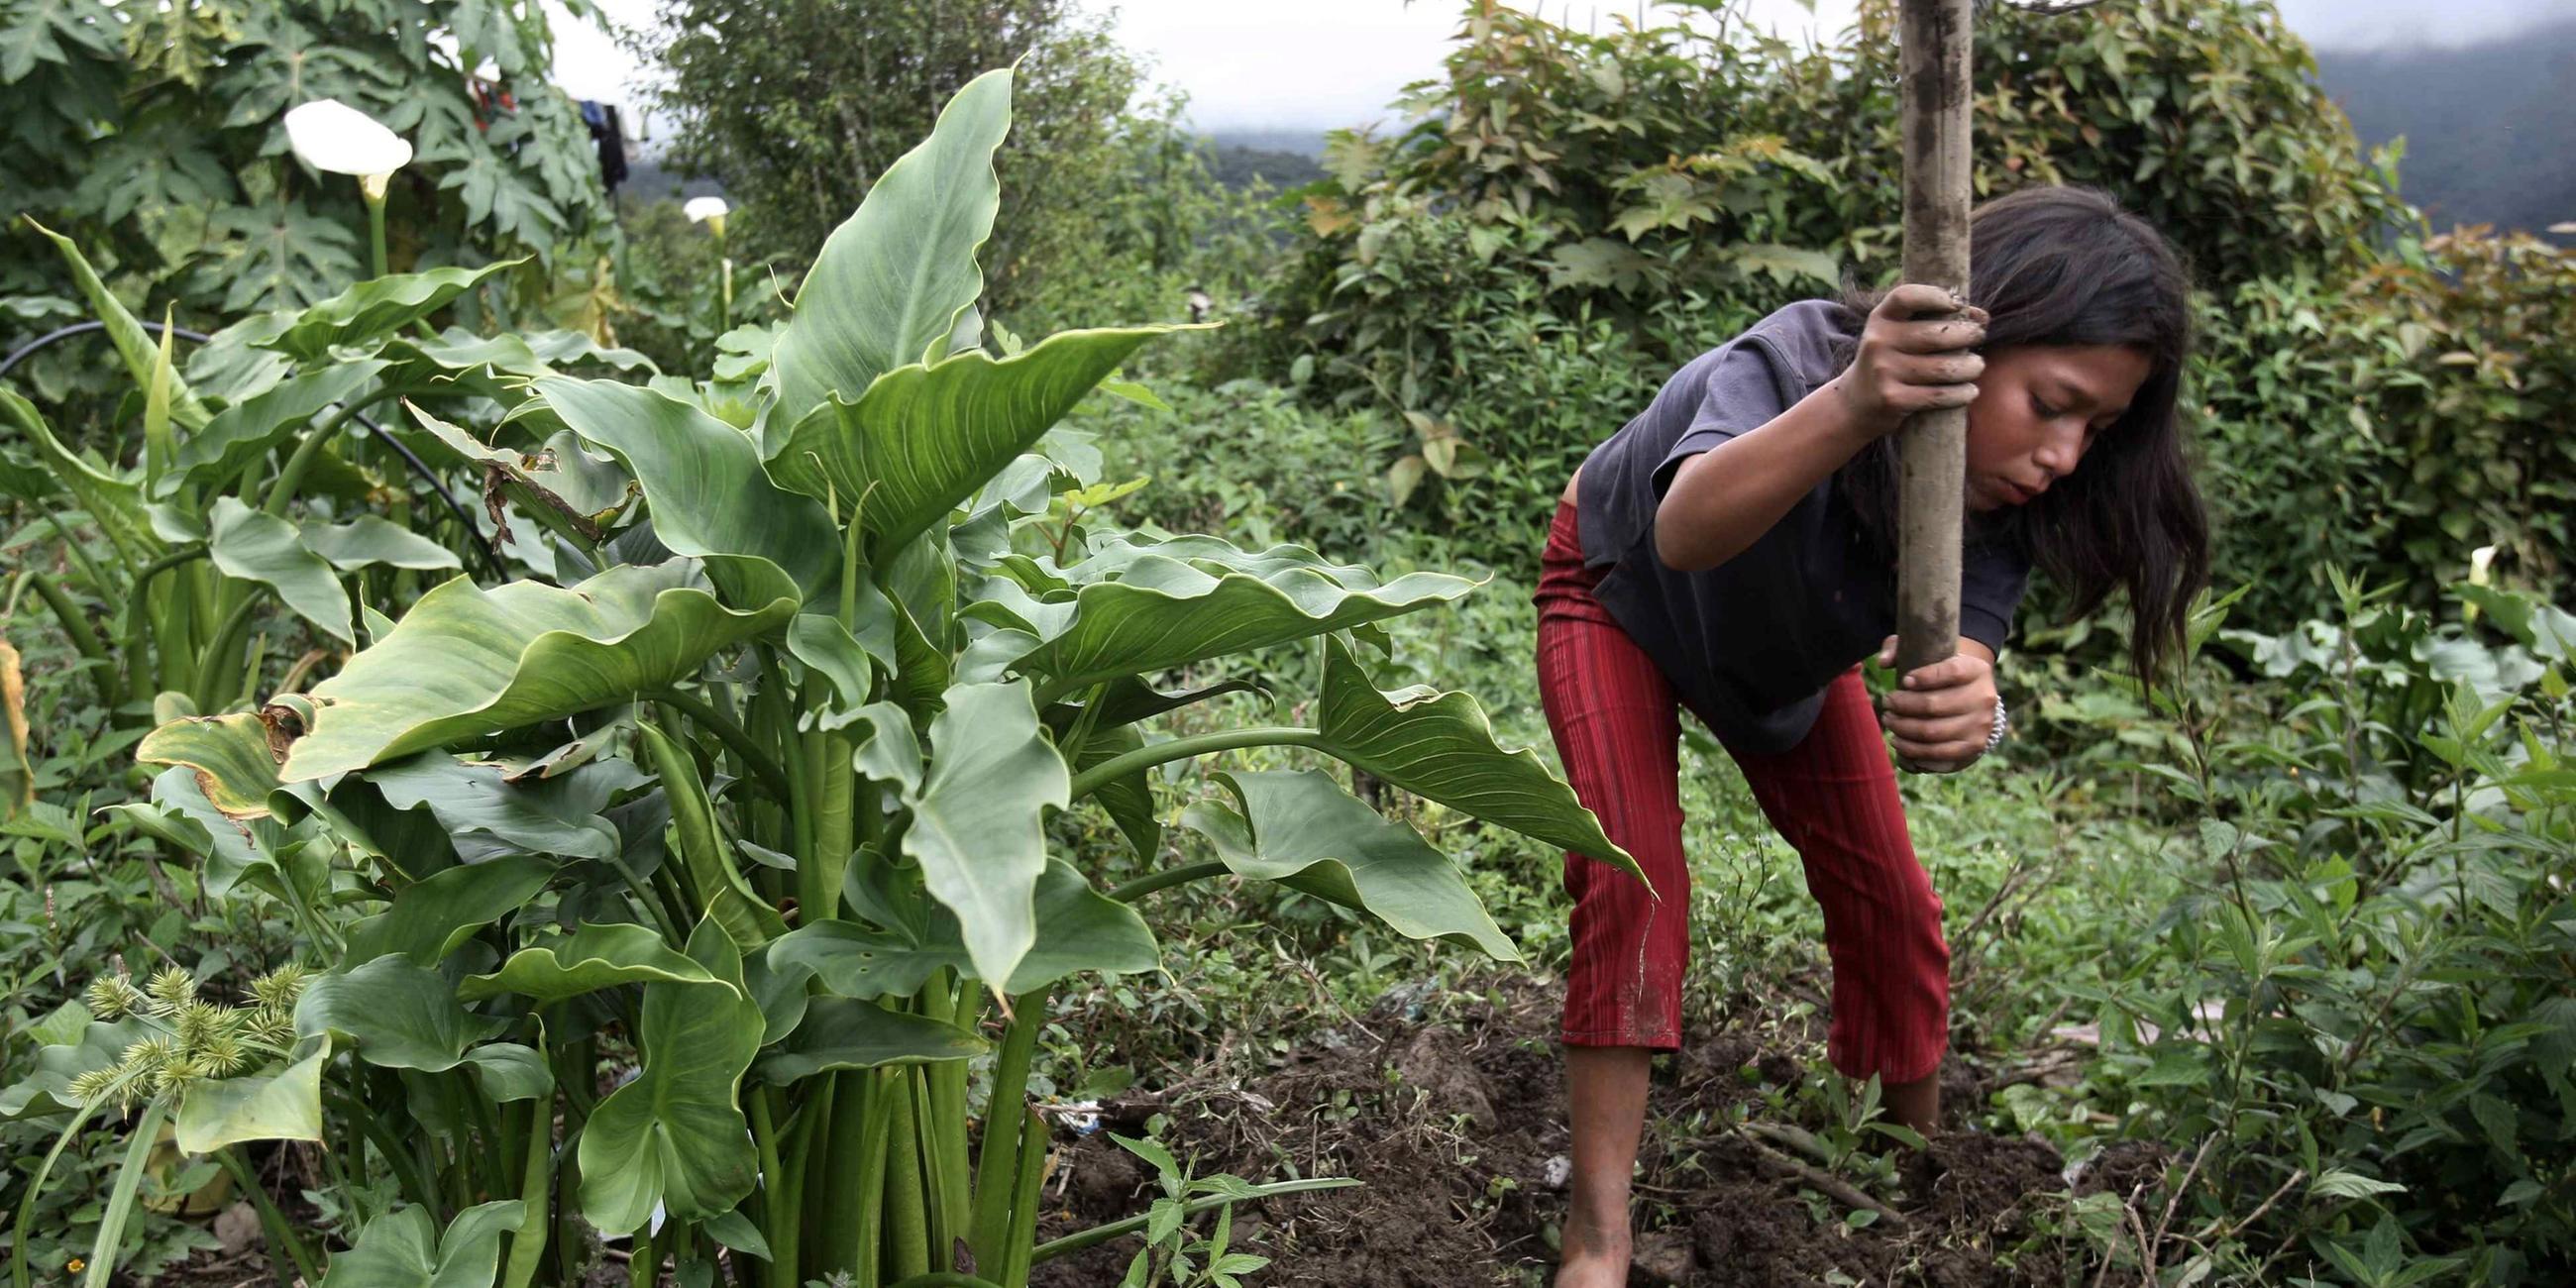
(798, 120)
(2354, 1024)
(1665, 185)
(2386, 423)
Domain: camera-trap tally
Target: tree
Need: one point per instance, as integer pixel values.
(798, 106)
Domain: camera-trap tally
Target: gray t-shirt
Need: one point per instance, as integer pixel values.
(1752, 643)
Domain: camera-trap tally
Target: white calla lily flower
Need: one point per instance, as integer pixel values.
(701, 209)
(335, 138)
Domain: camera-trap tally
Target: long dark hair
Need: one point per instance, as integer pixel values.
(2068, 266)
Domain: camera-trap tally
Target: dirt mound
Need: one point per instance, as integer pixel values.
(1456, 1132)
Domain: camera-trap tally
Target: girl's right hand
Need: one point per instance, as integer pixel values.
(1916, 354)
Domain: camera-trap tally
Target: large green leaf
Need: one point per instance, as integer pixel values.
(113, 503)
(921, 440)
(394, 1013)
(466, 661)
(890, 752)
(258, 546)
(369, 540)
(675, 1134)
(282, 1105)
(428, 921)
(234, 757)
(978, 822)
(498, 366)
(862, 962)
(377, 307)
(893, 278)
(1129, 699)
(1082, 930)
(594, 957)
(1129, 798)
(562, 477)
(1163, 612)
(232, 848)
(247, 430)
(1078, 930)
(402, 1249)
(845, 1033)
(134, 344)
(508, 1071)
(47, 1088)
(1440, 745)
(825, 643)
(485, 810)
(704, 855)
(1300, 829)
(705, 487)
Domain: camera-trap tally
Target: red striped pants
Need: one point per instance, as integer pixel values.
(1617, 725)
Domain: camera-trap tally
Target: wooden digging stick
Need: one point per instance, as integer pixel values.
(1932, 451)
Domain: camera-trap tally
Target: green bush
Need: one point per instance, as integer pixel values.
(2353, 1024)
(2389, 422)
(1106, 201)
(1661, 186)
(1249, 460)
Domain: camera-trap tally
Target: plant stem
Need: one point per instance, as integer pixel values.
(291, 475)
(209, 689)
(1024, 1201)
(536, 1193)
(375, 225)
(1153, 881)
(907, 1223)
(786, 1213)
(818, 894)
(84, 637)
(872, 1171)
(942, 1231)
(281, 1236)
(764, 1134)
(998, 1165)
(764, 767)
(1146, 757)
(844, 1201)
(1099, 1234)
(19, 1231)
(724, 299)
(120, 1203)
(952, 1166)
(89, 567)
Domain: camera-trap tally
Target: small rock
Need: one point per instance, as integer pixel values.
(237, 1228)
(1560, 1169)
(1663, 1256)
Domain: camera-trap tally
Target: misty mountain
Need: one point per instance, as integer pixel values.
(2490, 128)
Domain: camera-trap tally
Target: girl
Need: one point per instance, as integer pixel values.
(1730, 551)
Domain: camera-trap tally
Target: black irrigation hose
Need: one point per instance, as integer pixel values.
(483, 544)
(22, 352)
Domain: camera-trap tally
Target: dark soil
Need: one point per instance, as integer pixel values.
(1455, 1127)
(1452, 1128)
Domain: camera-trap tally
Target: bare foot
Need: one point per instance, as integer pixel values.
(1595, 1257)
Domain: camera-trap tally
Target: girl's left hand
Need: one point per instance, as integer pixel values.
(1939, 719)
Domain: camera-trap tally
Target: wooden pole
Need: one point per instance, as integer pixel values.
(1932, 452)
